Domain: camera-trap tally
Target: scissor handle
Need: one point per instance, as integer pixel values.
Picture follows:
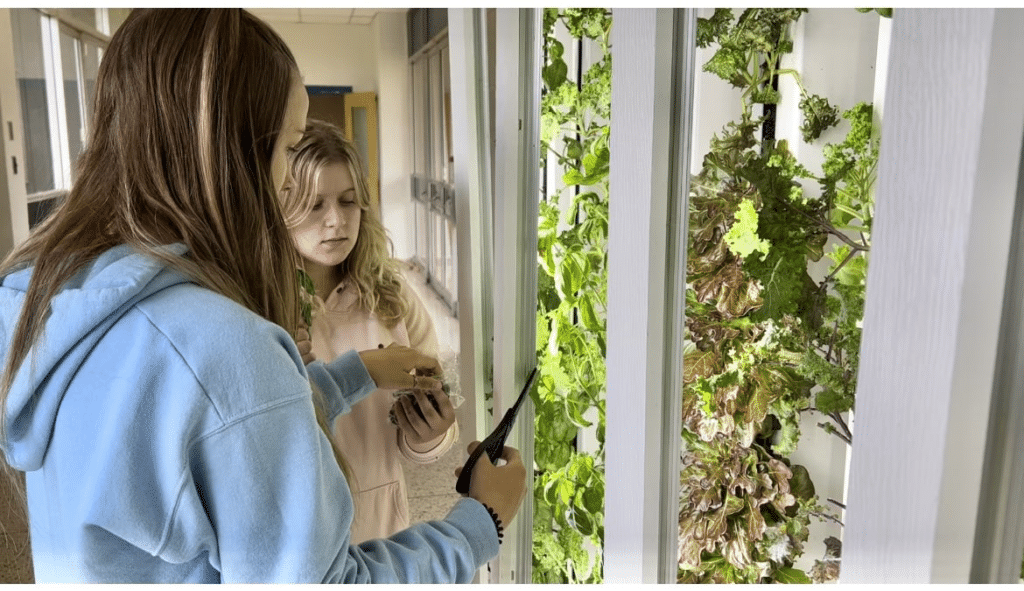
(462, 484)
(495, 441)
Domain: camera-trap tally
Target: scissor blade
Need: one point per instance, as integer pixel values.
(526, 389)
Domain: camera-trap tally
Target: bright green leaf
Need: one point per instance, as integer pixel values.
(742, 238)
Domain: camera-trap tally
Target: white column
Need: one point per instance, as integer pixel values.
(651, 90)
(516, 194)
(999, 539)
(948, 175)
(466, 39)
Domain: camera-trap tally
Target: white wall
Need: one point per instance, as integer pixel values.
(332, 55)
(370, 58)
(393, 112)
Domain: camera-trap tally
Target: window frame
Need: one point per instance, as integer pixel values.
(53, 24)
(432, 183)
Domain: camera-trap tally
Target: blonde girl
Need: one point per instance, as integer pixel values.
(363, 302)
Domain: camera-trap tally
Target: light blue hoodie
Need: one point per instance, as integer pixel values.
(168, 435)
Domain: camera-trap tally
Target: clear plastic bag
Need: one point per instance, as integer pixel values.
(449, 385)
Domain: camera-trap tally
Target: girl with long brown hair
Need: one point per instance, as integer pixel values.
(152, 392)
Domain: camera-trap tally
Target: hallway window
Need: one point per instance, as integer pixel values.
(56, 57)
(433, 189)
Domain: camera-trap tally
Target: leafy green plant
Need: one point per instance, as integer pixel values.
(767, 342)
(307, 291)
(886, 12)
(572, 278)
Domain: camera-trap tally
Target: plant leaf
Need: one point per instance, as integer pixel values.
(791, 575)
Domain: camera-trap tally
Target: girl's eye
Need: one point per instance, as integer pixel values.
(318, 205)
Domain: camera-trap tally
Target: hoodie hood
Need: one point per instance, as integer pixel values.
(85, 308)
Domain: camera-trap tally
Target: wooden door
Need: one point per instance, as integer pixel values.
(361, 128)
(328, 107)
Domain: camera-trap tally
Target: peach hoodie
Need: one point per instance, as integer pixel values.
(369, 441)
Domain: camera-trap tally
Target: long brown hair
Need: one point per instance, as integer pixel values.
(369, 267)
(189, 104)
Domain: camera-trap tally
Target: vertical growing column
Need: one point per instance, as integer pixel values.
(647, 217)
(948, 176)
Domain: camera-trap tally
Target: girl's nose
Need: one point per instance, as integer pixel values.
(289, 179)
(332, 216)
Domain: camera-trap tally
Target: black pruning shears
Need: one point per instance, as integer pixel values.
(495, 442)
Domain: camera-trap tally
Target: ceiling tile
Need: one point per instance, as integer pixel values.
(276, 14)
(328, 12)
(326, 15)
(354, 16)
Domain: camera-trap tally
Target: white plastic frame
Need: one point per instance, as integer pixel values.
(471, 139)
(516, 193)
(948, 178)
(652, 90)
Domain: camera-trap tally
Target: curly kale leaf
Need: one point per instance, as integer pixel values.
(729, 64)
(757, 34)
(766, 95)
(592, 23)
(710, 29)
(859, 144)
(818, 114)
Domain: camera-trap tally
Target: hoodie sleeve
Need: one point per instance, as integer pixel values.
(260, 491)
(344, 382)
(283, 511)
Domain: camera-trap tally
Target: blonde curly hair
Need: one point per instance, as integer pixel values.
(369, 268)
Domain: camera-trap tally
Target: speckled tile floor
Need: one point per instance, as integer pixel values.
(432, 486)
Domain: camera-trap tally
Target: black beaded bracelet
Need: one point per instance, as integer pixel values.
(497, 522)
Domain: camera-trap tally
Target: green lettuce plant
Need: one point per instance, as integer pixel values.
(766, 341)
(572, 282)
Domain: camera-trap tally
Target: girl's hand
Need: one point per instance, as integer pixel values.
(501, 488)
(391, 368)
(305, 344)
(432, 423)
